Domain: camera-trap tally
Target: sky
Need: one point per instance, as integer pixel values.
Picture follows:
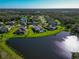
(39, 3)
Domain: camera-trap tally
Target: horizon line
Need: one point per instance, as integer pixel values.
(39, 8)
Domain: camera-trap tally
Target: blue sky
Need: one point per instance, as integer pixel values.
(39, 3)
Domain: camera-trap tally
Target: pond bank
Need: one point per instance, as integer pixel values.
(41, 48)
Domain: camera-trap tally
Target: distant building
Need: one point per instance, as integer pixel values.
(23, 21)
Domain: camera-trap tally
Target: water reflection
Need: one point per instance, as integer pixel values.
(72, 43)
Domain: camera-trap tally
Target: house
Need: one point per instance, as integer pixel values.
(9, 27)
(31, 21)
(3, 29)
(23, 21)
(53, 24)
(42, 19)
(52, 27)
(21, 30)
(38, 29)
(49, 19)
(11, 23)
(1, 23)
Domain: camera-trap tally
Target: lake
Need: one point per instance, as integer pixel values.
(51, 47)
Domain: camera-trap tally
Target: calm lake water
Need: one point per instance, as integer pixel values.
(51, 47)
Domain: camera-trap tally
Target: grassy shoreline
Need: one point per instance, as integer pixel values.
(47, 33)
(9, 51)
